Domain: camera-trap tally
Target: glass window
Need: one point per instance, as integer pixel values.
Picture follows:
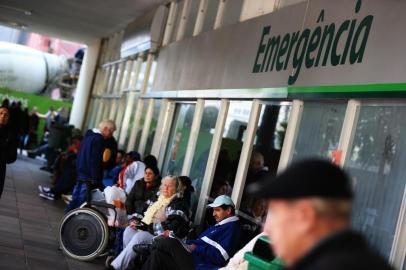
(210, 16)
(142, 121)
(232, 12)
(204, 139)
(231, 145)
(264, 162)
(152, 128)
(319, 130)
(177, 20)
(178, 139)
(376, 165)
(141, 76)
(190, 25)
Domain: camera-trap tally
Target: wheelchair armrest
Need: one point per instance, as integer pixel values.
(103, 204)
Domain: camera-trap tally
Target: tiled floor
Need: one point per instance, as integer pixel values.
(28, 223)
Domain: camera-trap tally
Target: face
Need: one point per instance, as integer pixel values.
(107, 133)
(168, 188)
(119, 158)
(149, 176)
(281, 227)
(220, 214)
(4, 116)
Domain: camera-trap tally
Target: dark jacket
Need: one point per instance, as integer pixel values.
(139, 198)
(90, 157)
(344, 250)
(8, 151)
(216, 245)
(8, 146)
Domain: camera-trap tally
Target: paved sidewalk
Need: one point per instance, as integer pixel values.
(29, 224)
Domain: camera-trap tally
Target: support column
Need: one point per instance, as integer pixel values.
(83, 89)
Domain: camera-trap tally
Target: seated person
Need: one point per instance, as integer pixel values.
(144, 192)
(110, 176)
(64, 173)
(142, 232)
(218, 243)
(211, 250)
(133, 172)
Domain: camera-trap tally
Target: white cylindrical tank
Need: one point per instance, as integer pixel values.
(25, 69)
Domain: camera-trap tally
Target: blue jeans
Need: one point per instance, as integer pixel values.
(79, 196)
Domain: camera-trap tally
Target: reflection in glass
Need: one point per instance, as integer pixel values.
(376, 165)
(152, 128)
(179, 137)
(319, 131)
(142, 120)
(264, 162)
(204, 140)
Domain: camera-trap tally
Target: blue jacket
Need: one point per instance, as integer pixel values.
(90, 157)
(217, 244)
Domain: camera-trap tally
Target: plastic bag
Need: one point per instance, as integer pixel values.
(116, 196)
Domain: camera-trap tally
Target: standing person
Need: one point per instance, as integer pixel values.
(8, 145)
(33, 128)
(309, 225)
(89, 163)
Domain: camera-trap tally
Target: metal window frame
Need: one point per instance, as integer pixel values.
(146, 127)
(170, 23)
(219, 20)
(201, 16)
(162, 130)
(194, 133)
(212, 160)
(187, 5)
(136, 125)
(246, 151)
(292, 131)
(131, 101)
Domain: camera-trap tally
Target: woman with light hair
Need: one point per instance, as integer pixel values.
(142, 231)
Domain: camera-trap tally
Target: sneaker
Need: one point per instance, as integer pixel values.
(43, 189)
(49, 196)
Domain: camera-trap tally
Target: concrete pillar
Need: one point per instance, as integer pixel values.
(83, 89)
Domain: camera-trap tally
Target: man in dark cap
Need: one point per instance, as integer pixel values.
(309, 206)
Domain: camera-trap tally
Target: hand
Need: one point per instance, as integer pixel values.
(134, 223)
(192, 247)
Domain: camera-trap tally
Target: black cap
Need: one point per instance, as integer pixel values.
(187, 183)
(134, 155)
(307, 178)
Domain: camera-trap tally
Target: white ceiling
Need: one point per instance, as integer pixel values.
(75, 20)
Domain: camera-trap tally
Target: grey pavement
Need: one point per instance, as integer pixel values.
(29, 224)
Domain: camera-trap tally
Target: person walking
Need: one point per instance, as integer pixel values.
(8, 145)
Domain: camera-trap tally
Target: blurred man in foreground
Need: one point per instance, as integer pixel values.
(309, 206)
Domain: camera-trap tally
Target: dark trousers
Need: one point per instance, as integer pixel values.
(2, 177)
(169, 254)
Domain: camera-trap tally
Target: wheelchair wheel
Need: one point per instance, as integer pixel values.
(83, 234)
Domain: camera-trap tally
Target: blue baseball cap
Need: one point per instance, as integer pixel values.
(222, 200)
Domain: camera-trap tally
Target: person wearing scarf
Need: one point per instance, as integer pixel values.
(143, 232)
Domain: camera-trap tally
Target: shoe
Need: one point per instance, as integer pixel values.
(66, 198)
(49, 196)
(43, 189)
(46, 168)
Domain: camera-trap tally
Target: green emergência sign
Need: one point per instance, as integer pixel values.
(313, 47)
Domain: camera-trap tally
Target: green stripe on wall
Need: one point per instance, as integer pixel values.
(391, 87)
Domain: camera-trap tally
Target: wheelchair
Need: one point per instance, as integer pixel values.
(84, 233)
